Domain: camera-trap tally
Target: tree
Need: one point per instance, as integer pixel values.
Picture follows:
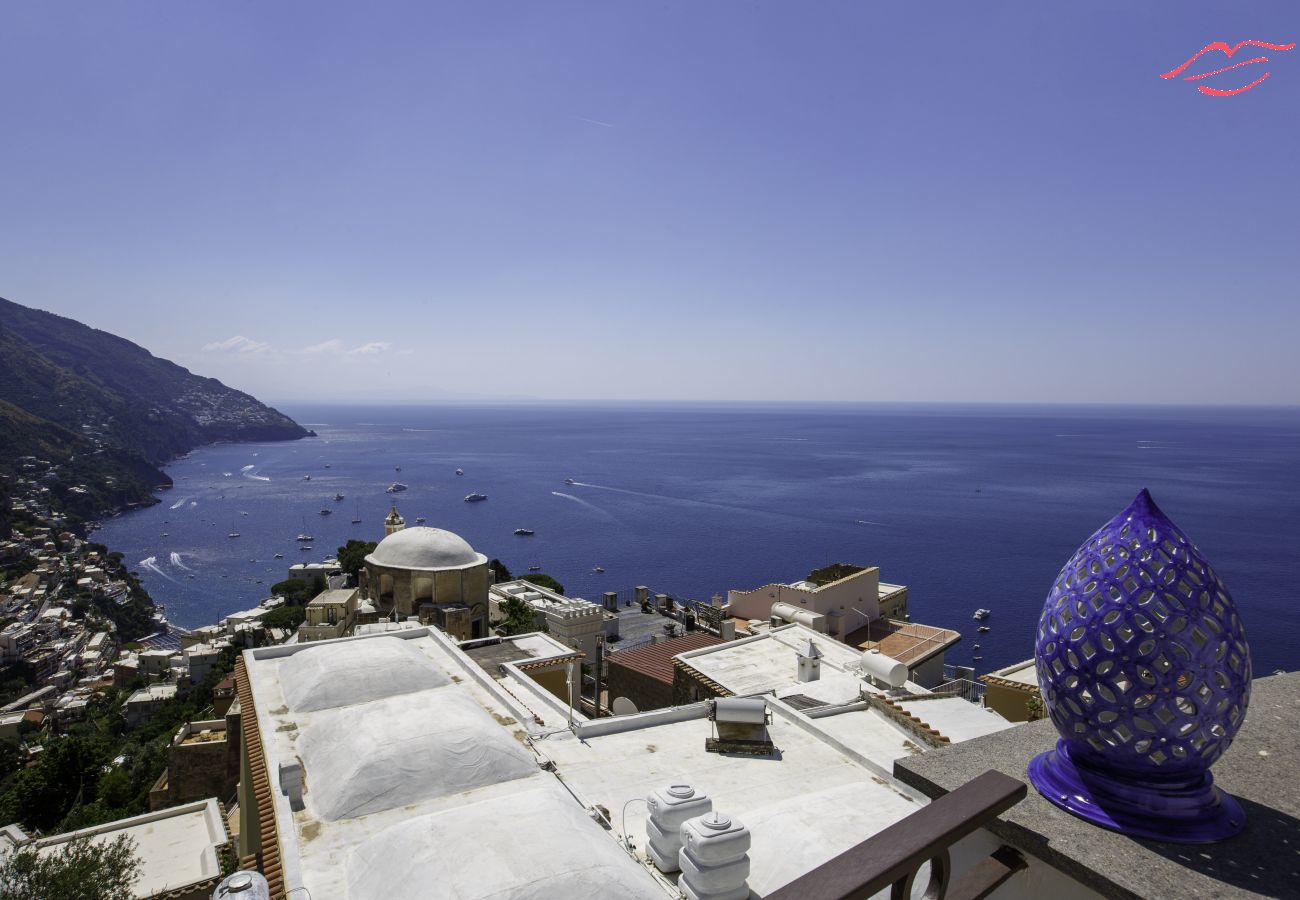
(499, 569)
(520, 618)
(545, 581)
(298, 592)
(352, 556)
(285, 617)
(82, 869)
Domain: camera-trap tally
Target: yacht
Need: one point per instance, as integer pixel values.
(983, 628)
(325, 512)
(304, 547)
(534, 568)
(569, 481)
(523, 532)
(598, 569)
(306, 478)
(279, 556)
(338, 497)
(356, 521)
(304, 538)
(327, 465)
(475, 498)
(981, 614)
(460, 471)
(395, 488)
(419, 520)
(233, 534)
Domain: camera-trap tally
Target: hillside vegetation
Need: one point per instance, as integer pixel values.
(106, 413)
(79, 377)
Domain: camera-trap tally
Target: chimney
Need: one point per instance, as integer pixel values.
(810, 663)
(611, 601)
(727, 629)
(642, 594)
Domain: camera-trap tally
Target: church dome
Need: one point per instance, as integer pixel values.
(425, 548)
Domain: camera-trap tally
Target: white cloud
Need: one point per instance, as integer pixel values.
(333, 345)
(237, 344)
(370, 348)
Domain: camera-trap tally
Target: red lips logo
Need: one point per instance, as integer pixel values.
(1228, 51)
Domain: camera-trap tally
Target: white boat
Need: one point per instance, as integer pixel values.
(460, 471)
(338, 497)
(279, 556)
(419, 520)
(233, 534)
(304, 538)
(475, 498)
(983, 628)
(569, 481)
(598, 569)
(524, 532)
(534, 568)
(981, 614)
(306, 478)
(395, 488)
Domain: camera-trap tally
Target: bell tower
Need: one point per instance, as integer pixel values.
(394, 523)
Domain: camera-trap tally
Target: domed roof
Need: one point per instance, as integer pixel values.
(425, 548)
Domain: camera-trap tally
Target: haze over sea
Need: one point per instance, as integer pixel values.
(974, 506)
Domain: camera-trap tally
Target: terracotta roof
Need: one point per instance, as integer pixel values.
(261, 787)
(907, 642)
(551, 661)
(656, 660)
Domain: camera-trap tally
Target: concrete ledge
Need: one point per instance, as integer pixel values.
(1261, 769)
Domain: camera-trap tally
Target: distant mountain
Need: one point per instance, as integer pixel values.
(112, 399)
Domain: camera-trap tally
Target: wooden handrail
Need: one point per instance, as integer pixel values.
(892, 857)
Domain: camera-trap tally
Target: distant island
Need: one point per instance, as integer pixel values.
(95, 417)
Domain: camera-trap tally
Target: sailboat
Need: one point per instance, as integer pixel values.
(233, 532)
(357, 519)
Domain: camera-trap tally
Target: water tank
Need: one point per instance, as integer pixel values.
(747, 710)
(788, 612)
(669, 808)
(884, 668)
(714, 858)
(243, 886)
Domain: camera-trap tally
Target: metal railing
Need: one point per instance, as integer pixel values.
(893, 858)
(972, 691)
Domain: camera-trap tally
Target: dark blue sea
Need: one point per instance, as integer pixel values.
(970, 507)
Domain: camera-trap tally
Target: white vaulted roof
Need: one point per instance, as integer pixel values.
(425, 548)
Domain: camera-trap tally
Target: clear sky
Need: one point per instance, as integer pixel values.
(947, 201)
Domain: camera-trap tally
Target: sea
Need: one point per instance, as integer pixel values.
(969, 506)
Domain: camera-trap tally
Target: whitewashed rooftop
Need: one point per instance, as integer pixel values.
(418, 780)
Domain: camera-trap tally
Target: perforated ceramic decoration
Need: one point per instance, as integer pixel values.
(1144, 669)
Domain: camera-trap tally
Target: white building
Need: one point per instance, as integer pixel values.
(838, 608)
(571, 620)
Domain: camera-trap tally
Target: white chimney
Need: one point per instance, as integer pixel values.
(810, 663)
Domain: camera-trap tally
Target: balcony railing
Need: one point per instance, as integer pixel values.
(893, 858)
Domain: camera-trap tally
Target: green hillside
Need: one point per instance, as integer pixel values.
(89, 380)
(106, 413)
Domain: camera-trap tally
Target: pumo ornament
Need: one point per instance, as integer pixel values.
(1144, 669)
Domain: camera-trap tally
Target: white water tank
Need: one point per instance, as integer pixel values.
(243, 886)
(669, 808)
(788, 612)
(884, 668)
(714, 858)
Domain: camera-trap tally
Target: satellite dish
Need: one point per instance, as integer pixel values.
(623, 706)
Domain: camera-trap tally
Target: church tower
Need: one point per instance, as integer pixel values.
(394, 523)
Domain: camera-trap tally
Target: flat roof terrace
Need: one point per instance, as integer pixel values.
(804, 804)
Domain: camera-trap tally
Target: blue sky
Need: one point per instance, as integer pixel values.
(942, 201)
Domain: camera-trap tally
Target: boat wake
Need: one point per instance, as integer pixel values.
(591, 506)
(150, 564)
(176, 561)
(179, 503)
(247, 472)
(869, 522)
(248, 468)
